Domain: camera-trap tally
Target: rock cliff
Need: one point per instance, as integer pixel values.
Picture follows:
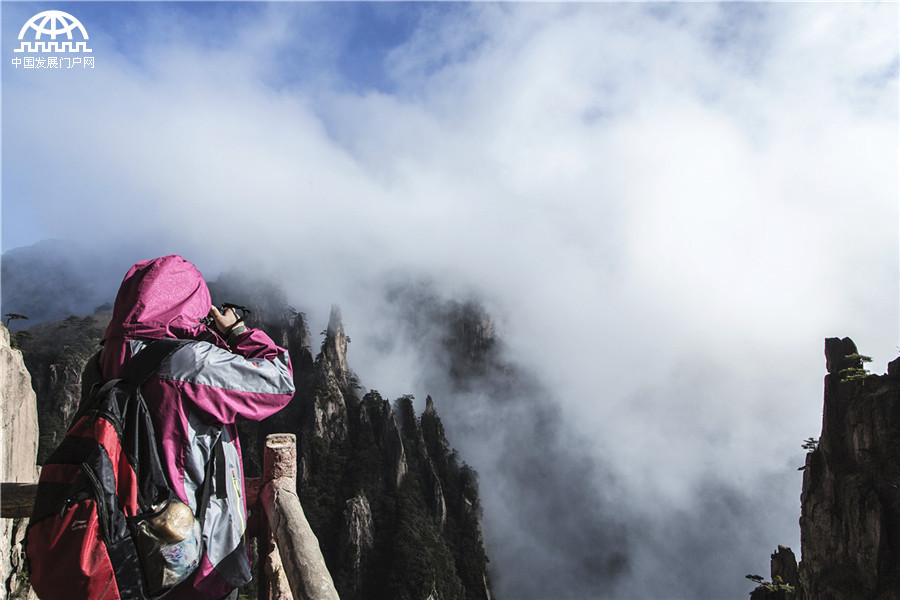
(850, 520)
(55, 354)
(397, 516)
(850, 503)
(356, 542)
(18, 454)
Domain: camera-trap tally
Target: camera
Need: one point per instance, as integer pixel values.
(244, 312)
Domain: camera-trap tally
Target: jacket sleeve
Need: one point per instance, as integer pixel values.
(250, 383)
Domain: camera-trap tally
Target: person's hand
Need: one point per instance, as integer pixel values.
(223, 322)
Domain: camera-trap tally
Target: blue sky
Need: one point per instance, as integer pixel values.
(334, 47)
(679, 200)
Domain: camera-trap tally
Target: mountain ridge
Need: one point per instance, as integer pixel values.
(850, 500)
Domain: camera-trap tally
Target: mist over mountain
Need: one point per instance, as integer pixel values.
(555, 507)
(548, 518)
(560, 500)
(399, 513)
(54, 279)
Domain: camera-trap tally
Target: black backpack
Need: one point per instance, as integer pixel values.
(106, 523)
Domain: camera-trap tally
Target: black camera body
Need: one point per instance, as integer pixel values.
(210, 323)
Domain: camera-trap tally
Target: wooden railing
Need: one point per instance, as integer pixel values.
(285, 534)
(291, 565)
(17, 499)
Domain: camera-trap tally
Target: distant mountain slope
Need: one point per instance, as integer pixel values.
(54, 279)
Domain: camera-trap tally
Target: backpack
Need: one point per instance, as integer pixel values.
(106, 523)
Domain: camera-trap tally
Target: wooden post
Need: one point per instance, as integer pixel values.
(277, 585)
(273, 583)
(297, 545)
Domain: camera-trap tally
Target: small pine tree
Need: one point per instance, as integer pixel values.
(11, 316)
(855, 373)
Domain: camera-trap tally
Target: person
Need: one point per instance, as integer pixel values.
(222, 374)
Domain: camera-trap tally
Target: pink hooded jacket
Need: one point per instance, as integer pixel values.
(198, 394)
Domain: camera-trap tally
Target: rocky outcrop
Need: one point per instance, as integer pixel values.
(376, 482)
(471, 341)
(784, 567)
(318, 413)
(850, 503)
(329, 407)
(298, 343)
(785, 584)
(412, 432)
(334, 348)
(19, 406)
(380, 416)
(850, 519)
(19, 441)
(55, 354)
(357, 540)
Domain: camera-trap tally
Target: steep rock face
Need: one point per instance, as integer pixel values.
(387, 436)
(850, 523)
(334, 349)
(55, 354)
(298, 343)
(19, 428)
(470, 341)
(374, 493)
(850, 502)
(326, 390)
(329, 408)
(462, 512)
(370, 487)
(412, 432)
(19, 441)
(357, 541)
(784, 567)
(785, 584)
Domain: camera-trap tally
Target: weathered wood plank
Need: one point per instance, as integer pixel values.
(17, 499)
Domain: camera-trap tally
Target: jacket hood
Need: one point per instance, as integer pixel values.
(161, 297)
